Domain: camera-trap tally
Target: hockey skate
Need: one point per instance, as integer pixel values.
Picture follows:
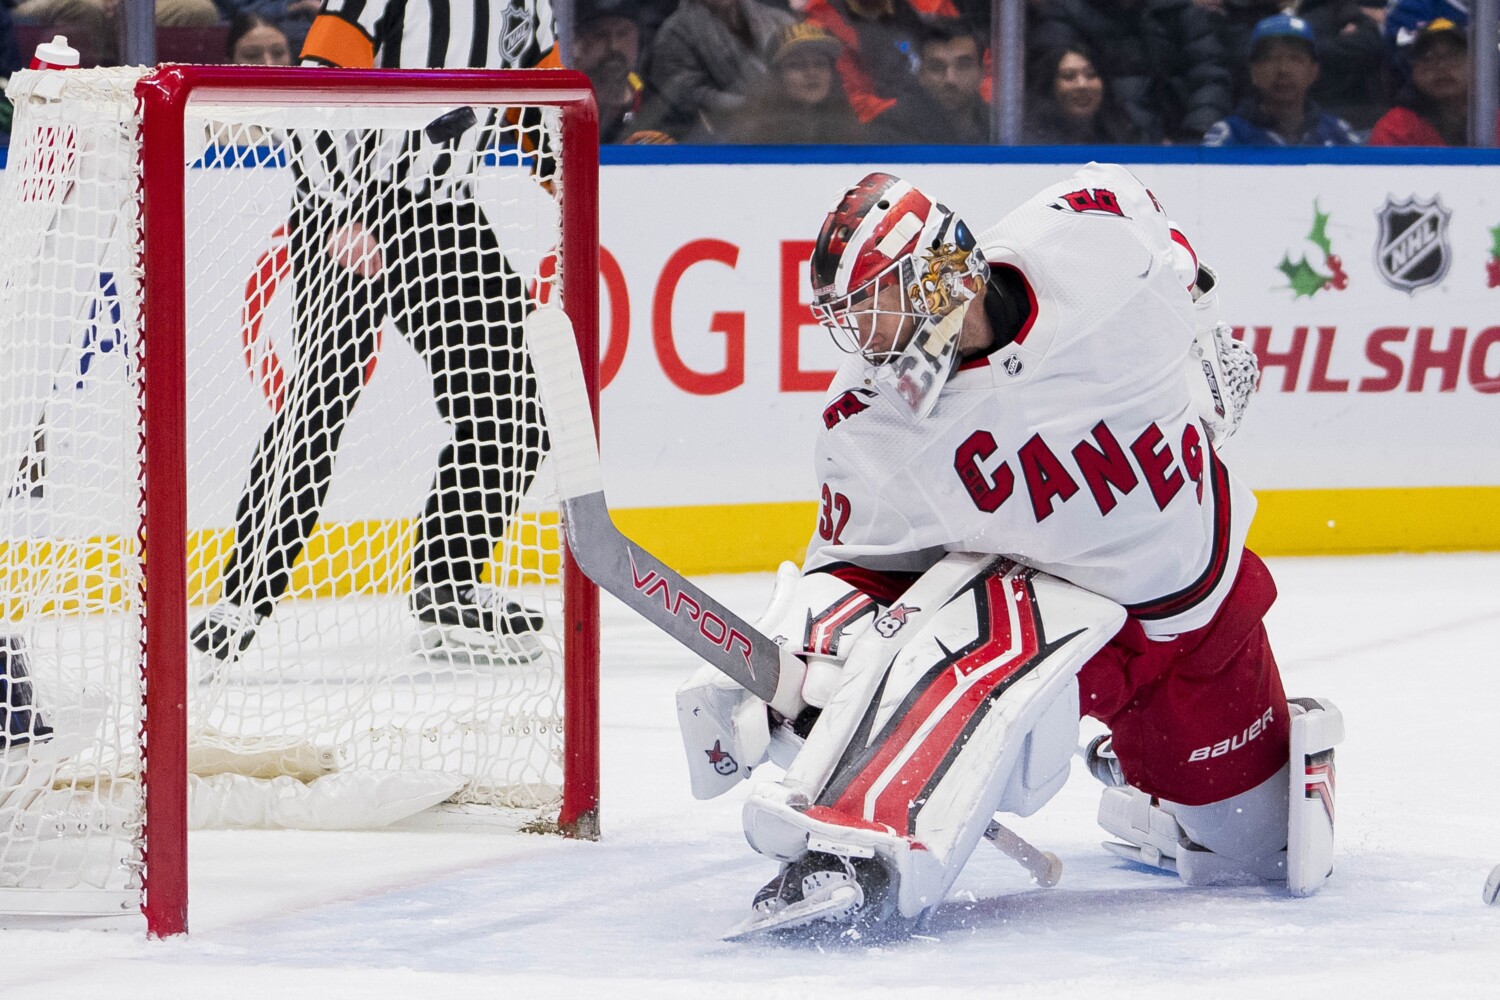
(20, 723)
(1099, 757)
(474, 622)
(25, 738)
(822, 897)
(224, 632)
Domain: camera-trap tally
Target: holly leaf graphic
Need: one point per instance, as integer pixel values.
(1319, 235)
(1304, 278)
(1495, 242)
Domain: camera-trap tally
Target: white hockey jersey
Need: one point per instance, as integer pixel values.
(1075, 449)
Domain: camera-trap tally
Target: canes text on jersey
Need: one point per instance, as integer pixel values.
(1108, 470)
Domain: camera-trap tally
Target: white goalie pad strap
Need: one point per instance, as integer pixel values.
(962, 698)
(819, 617)
(817, 613)
(725, 731)
(1150, 835)
(1317, 727)
(780, 824)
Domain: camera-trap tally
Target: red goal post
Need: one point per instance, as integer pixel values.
(168, 151)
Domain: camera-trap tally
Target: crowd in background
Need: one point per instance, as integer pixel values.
(1212, 72)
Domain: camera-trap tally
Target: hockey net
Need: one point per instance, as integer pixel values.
(179, 274)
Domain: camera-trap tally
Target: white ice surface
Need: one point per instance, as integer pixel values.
(1406, 645)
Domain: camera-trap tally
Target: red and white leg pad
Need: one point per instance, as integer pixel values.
(1317, 727)
(961, 700)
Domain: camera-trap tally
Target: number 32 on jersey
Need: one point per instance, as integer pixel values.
(833, 515)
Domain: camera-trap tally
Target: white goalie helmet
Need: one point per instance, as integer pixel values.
(890, 265)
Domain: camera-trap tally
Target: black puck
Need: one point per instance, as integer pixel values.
(450, 125)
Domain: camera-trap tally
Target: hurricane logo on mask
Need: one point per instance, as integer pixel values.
(946, 280)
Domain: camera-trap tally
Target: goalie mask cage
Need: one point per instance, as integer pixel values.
(168, 234)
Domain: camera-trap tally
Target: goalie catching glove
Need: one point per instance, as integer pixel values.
(727, 731)
(1222, 372)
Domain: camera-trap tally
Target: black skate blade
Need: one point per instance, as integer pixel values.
(840, 903)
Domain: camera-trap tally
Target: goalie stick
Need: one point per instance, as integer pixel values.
(649, 586)
(644, 583)
(1045, 867)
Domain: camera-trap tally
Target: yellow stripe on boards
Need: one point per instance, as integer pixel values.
(1384, 519)
(756, 537)
(739, 538)
(63, 576)
(59, 576)
(48, 577)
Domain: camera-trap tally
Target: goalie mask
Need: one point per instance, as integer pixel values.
(893, 273)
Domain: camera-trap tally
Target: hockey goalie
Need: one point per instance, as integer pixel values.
(1024, 519)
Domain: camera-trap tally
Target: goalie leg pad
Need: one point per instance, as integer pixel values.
(1317, 727)
(966, 700)
(1236, 841)
(1240, 839)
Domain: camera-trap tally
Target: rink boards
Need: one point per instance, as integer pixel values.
(1368, 289)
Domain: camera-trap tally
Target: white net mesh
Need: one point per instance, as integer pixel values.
(373, 556)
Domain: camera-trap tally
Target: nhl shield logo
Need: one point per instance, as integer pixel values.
(516, 31)
(1412, 250)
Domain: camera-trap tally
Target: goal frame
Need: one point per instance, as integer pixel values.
(163, 97)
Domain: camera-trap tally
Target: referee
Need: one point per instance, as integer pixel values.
(385, 228)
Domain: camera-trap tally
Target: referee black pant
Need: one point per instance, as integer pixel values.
(448, 289)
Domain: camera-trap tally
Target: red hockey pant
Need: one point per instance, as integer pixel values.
(1202, 717)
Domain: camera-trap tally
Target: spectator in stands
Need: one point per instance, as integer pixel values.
(803, 101)
(880, 39)
(1068, 103)
(10, 52)
(1405, 19)
(1432, 108)
(1283, 67)
(1351, 57)
(83, 22)
(10, 61)
(708, 56)
(1350, 52)
(1162, 59)
(292, 17)
(948, 105)
(254, 41)
(976, 14)
(606, 48)
(93, 26)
